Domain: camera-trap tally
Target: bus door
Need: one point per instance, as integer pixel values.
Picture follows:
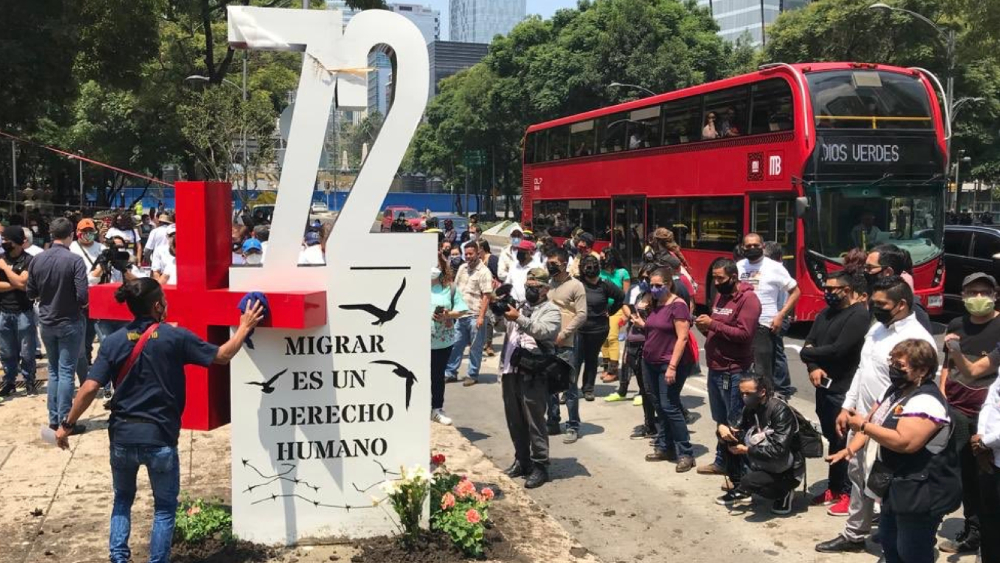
(773, 217)
(629, 230)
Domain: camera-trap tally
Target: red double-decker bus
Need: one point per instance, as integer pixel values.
(822, 158)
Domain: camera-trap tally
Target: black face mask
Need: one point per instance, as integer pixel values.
(871, 278)
(753, 254)
(522, 255)
(591, 271)
(726, 288)
(753, 402)
(532, 294)
(455, 262)
(553, 269)
(883, 316)
(604, 264)
(8, 247)
(897, 376)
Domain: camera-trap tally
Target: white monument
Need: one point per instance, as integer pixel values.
(319, 417)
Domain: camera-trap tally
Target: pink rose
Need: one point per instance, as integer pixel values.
(447, 501)
(472, 516)
(487, 493)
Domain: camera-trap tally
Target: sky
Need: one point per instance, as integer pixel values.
(544, 8)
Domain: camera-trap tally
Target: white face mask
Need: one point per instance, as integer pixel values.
(435, 273)
(254, 259)
(473, 236)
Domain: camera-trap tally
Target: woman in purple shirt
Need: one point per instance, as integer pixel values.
(666, 363)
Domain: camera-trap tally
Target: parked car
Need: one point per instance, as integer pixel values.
(968, 249)
(460, 222)
(413, 217)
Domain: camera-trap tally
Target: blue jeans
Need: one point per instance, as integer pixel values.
(908, 538)
(468, 335)
(782, 378)
(17, 345)
(725, 402)
(569, 354)
(64, 345)
(163, 468)
(673, 435)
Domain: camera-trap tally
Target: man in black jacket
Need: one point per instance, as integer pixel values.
(831, 353)
(766, 442)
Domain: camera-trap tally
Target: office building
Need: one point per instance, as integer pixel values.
(379, 82)
(748, 18)
(449, 57)
(342, 6)
(427, 20)
(478, 21)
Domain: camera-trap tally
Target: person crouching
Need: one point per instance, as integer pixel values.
(532, 328)
(764, 441)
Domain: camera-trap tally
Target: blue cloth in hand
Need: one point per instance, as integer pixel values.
(245, 303)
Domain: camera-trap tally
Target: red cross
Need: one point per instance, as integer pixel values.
(203, 303)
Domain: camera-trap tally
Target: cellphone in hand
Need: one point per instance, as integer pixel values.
(439, 309)
(825, 382)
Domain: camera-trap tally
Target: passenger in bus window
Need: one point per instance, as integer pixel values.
(727, 127)
(709, 131)
(582, 150)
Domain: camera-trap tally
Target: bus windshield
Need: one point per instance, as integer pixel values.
(841, 218)
(868, 99)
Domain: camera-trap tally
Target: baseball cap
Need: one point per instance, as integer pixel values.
(164, 218)
(312, 238)
(14, 234)
(526, 245)
(539, 275)
(171, 229)
(978, 276)
(86, 224)
(252, 244)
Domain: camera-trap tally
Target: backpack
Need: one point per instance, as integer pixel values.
(807, 440)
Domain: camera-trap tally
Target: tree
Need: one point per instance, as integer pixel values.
(551, 68)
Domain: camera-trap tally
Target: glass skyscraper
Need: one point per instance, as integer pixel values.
(751, 17)
(478, 21)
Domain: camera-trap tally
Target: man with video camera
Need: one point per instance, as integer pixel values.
(528, 351)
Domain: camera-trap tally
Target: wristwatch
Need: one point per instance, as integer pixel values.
(862, 429)
(65, 424)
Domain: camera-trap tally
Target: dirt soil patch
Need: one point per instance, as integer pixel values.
(218, 551)
(435, 548)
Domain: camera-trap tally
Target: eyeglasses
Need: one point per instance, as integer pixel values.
(753, 246)
(898, 365)
(871, 269)
(833, 289)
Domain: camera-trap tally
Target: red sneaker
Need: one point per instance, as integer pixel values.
(824, 499)
(841, 507)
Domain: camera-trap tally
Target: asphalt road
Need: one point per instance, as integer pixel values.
(625, 509)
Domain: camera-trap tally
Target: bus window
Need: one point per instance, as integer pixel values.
(846, 99)
(558, 143)
(772, 107)
(667, 213)
(611, 131)
(730, 110)
(717, 223)
(541, 145)
(581, 138)
(644, 128)
(559, 218)
(529, 147)
(682, 121)
(549, 217)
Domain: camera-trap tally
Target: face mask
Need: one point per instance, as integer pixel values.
(591, 271)
(979, 305)
(34, 229)
(753, 254)
(522, 255)
(7, 247)
(871, 278)
(254, 259)
(726, 288)
(898, 377)
(658, 292)
(435, 273)
(515, 241)
(883, 316)
(87, 237)
(643, 286)
(753, 401)
(649, 256)
(532, 294)
(473, 236)
(553, 269)
(833, 299)
(604, 264)
(455, 262)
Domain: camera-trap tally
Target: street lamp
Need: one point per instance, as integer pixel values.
(636, 86)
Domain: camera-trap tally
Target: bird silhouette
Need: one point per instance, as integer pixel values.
(381, 316)
(405, 374)
(268, 386)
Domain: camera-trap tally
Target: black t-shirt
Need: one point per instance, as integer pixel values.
(598, 309)
(147, 407)
(16, 300)
(965, 393)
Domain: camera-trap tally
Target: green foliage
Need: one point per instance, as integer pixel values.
(407, 495)
(199, 519)
(462, 513)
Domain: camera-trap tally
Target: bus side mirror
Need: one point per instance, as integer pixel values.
(801, 206)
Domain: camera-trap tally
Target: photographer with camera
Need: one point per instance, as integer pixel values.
(532, 327)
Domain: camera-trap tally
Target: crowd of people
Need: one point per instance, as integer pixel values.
(905, 447)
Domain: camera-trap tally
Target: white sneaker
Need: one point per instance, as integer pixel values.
(438, 416)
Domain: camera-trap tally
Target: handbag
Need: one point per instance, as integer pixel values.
(557, 371)
(879, 479)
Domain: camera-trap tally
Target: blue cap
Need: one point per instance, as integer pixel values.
(312, 238)
(252, 244)
(316, 224)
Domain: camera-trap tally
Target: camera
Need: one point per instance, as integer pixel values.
(503, 302)
(114, 256)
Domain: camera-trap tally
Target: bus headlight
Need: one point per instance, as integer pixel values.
(817, 269)
(938, 273)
